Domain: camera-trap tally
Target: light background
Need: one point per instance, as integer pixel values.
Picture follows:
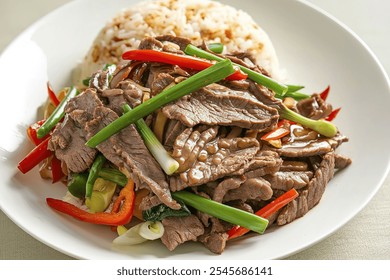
(366, 236)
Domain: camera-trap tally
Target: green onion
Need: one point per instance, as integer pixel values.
(113, 175)
(321, 126)
(221, 211)
(203, 78)
(280, 90)
(294, 88)
(167, 163)
(215, 47)
(293, 92)
(57, 114)
(86, 81)
(94, 174)
(296, 95)
(76, 184)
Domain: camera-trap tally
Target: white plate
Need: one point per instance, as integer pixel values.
(315, 49)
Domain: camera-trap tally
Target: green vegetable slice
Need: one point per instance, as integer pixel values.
(113, 175)
(215, 47)
(167, 163)
(222, 211)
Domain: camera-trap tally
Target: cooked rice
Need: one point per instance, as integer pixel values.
(195, 19)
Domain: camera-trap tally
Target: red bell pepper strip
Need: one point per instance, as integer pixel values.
(38, 154)
(281, 130)
(183, 61)
(266, 211)
(32, 132)
(333, 115)
(325, 93)
(52, 96)
(275, 134)
(120, 215)
(56, 170)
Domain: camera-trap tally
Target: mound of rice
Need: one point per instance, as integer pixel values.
(195, 19)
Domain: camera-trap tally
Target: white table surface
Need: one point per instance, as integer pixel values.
(366, 236)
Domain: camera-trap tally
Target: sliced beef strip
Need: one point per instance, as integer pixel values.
(219, 105)
(294, 165)
(181, 42)
(68, 142)
(311, 195)
(162, 75)
(254, 188)
(149, 201)
(115, 99)
(100, 80)
(286, 180)
(150, 43)
(178, 230)
(69, 137)
(173, 129)
(215, 242)
(160, 82)
(128, 92)
(311, 148)
(204, 157)
(314, 107)
(264, 95)
(139, 73)
(341, 161)
(225, 186)
(239, 204)
(203, 217)
(133, 92)
(121, 72)
(215, 236)
(128, 152)
(263, 163)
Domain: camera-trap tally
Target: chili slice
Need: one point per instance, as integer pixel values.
(266, 211)
(121, 213)
(33, 158)
(32, 132)
(52, 96)
(275, 134)
(56, 170)
(325, 93)
(333, 115)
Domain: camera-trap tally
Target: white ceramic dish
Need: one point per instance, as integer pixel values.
(314, 48)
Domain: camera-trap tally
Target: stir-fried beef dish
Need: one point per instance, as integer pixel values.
(216, 136)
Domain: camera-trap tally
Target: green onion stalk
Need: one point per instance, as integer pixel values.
(57, 115)
(201, 79)
(221, 211)
(323, 127)
(167, 163)
(113, 175)
(215, 47)
(94, 174)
